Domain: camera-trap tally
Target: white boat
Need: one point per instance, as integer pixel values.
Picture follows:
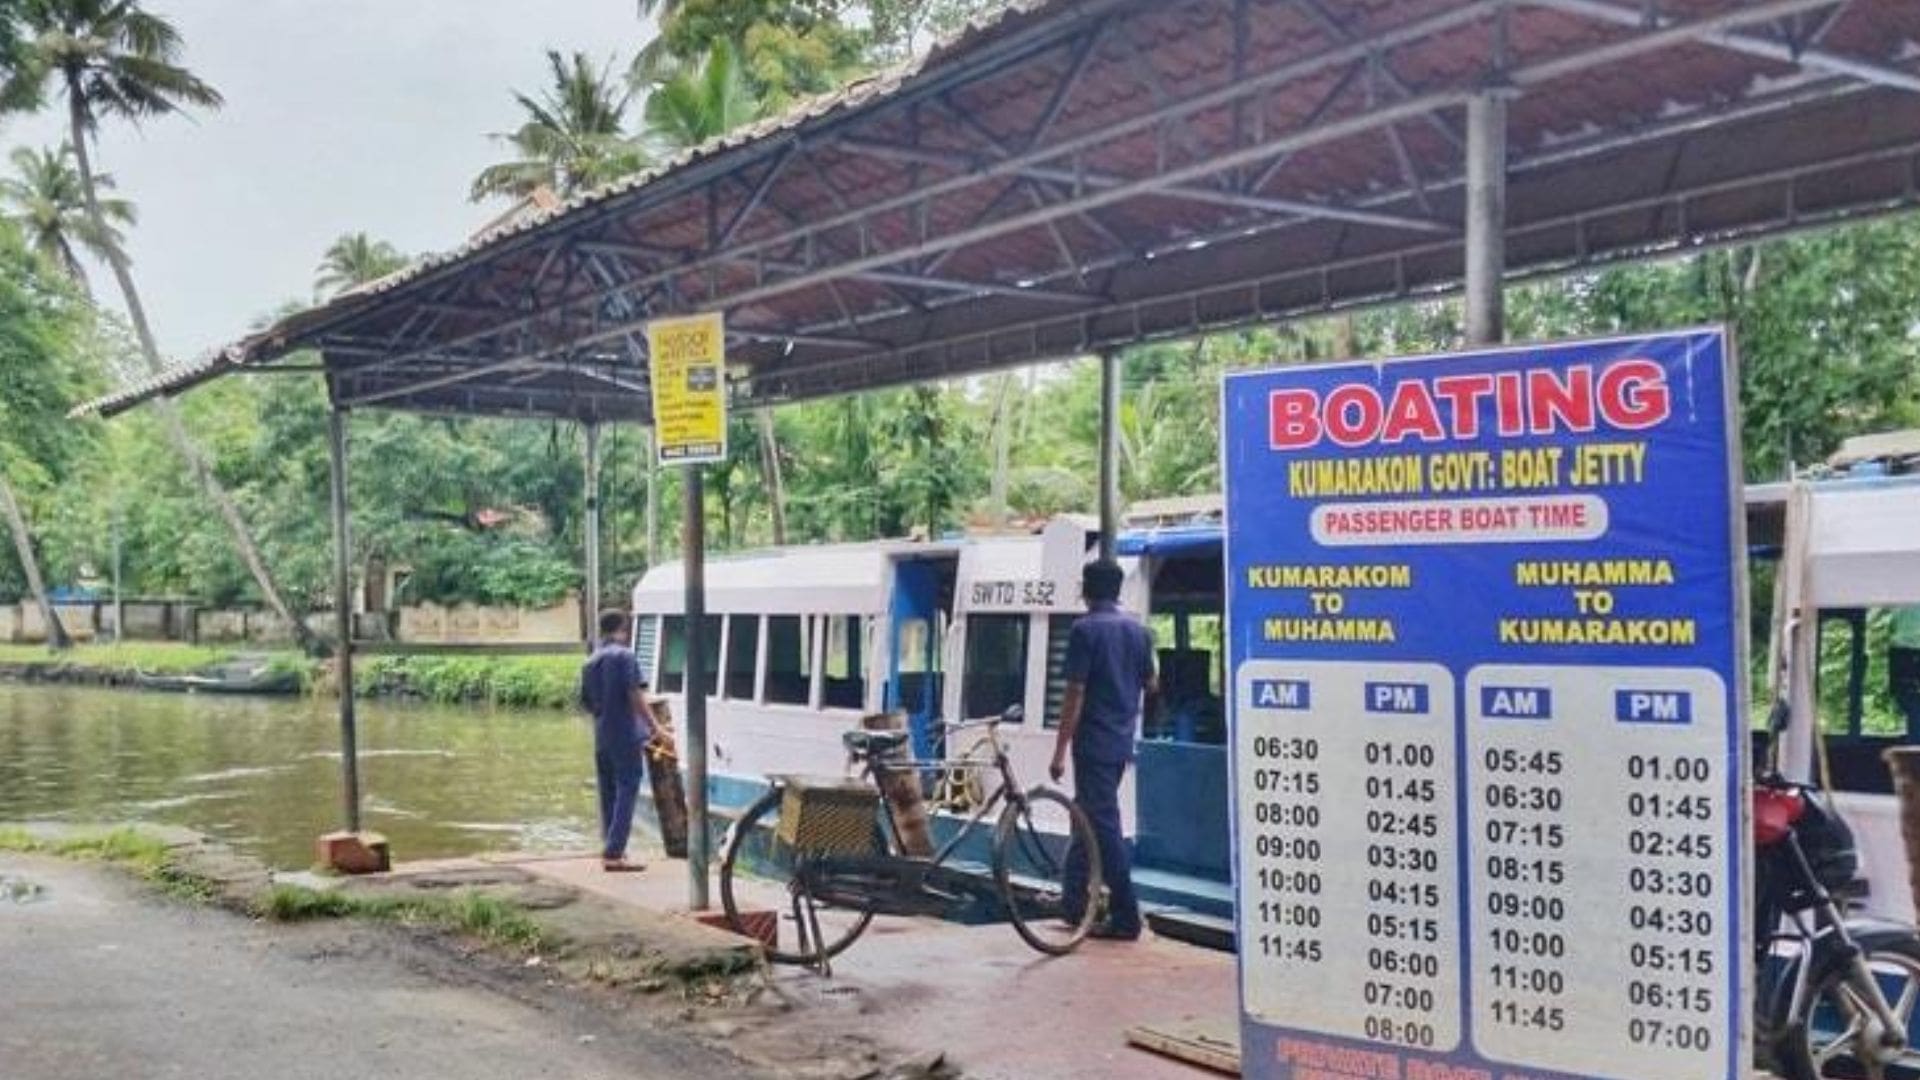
(1847, 542)
(803, 642)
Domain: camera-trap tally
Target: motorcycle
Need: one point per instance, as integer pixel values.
(1837, 994)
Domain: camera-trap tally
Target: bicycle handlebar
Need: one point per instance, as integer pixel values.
(1014, 715)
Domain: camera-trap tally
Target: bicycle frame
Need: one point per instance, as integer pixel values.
(1008, 791)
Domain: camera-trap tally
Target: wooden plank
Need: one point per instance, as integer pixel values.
(1211, 1042)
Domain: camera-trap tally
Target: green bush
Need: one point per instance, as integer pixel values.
(544, 682)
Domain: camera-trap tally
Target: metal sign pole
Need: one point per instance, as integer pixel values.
(590, 602)
(1486, 218)
(686, 370)
(1109, 453)
(693, 558)
(343, 614)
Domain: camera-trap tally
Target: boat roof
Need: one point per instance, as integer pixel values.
(850, 578)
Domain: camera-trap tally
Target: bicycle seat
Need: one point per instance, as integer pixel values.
(874, 743)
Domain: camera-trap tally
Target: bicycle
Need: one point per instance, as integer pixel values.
(840, 874)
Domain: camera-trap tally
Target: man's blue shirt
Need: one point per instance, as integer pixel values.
(1111, 654)
(607, 682)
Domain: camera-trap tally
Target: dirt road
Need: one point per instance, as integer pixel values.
(99, 979)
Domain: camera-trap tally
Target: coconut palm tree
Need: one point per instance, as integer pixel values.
(355, 259)
(114, 60)
(30, 565)
(574, 136)
(694, 102)
(46, 199)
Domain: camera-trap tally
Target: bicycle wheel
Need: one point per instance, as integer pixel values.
(1030, 867)
(1836, 1037)
(755, 852)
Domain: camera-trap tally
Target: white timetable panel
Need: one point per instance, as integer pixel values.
(1350, 899)
(1602, 880)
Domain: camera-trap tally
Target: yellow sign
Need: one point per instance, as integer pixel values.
(687, 359)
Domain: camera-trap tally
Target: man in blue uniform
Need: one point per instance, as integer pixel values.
(613, 690)
(1109, 668)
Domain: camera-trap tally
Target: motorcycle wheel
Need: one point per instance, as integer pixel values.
(1827, 1042)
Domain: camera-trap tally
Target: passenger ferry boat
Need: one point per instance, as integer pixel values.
(1845, 544)
(803, 642)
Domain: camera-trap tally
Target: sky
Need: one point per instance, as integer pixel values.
(341, 116)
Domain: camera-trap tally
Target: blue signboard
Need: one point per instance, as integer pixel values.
(1485, 629)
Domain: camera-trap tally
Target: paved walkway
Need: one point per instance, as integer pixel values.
(978, 993)
(98, 979)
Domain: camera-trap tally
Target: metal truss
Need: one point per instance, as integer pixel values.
(577, 319)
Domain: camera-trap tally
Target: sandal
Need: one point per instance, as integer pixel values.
(621, 866)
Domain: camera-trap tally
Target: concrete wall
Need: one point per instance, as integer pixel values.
(466, 624)
(149, 620)
(30, 626)
(164, 620)
(232, 626)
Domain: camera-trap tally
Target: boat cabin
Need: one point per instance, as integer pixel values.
(1842, 545)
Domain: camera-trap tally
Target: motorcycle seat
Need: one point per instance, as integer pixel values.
(874, 743)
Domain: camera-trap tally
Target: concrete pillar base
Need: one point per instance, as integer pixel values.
(354, 853)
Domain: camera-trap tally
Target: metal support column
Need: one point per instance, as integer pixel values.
(119, 599)
(1486, 217)
(343, 614)
(590, 600)
(694, 556)
(1109, 452)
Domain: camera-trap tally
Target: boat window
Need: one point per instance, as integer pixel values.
(917, 666)
(646, 637)
(1059, 629)
(996, 671)
(789, 660)
(743, 654)
(845, 666)
(673, 654)
(673, 666)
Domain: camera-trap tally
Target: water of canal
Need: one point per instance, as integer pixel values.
(264, 773)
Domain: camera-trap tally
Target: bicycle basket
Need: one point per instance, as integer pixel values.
(829, 817)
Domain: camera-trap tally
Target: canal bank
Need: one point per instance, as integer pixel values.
(532, 681)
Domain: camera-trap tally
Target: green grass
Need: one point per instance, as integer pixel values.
(125, 847)
(475, 914)
(151, 657)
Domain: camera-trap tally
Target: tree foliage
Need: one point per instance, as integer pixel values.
(353, 260)
(47, 201)
(572, 135)
(490, 511)
(48, 359)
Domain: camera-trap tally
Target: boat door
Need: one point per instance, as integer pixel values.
(913, 679)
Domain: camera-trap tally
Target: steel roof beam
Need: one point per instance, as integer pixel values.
(1747, 43)
(1255, 288)
(1534, 74)
(1671, 127)
(1416, 30)
(1411, 32)
(989, 288)
(965, 162)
